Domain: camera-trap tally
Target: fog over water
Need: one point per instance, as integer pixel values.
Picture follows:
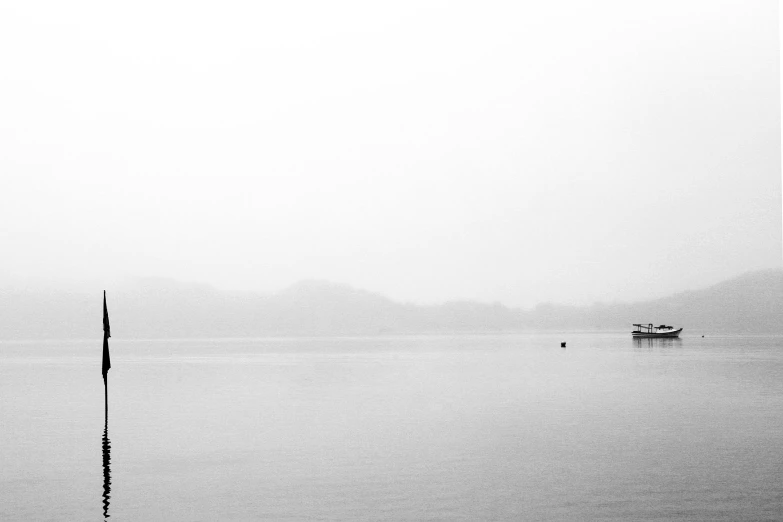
(515, 152)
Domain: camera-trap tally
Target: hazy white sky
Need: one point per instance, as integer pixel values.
(514, 151)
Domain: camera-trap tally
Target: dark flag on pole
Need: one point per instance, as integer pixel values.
(106, 334)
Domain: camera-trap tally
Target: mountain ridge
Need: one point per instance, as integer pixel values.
(157, 307)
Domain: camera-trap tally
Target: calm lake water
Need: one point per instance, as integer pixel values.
(473, 428)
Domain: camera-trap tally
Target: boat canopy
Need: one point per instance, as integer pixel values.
(649, 327)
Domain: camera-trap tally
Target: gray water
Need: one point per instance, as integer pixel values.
(395, 428)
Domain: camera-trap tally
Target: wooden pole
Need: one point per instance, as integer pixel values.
(106, 397)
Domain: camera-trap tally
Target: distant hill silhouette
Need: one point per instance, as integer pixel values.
(751, 303)
(164, 308)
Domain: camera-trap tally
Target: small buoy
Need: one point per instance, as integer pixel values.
(702, 336)
(562, 345)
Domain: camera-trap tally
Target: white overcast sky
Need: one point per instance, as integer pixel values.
(522, 152)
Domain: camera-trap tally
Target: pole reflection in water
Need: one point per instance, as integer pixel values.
(106, 468)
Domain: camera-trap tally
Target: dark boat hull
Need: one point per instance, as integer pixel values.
(658, 335)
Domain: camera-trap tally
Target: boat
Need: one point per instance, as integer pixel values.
(648, 330)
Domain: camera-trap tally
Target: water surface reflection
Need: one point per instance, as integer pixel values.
(651, 342)
(106, 469)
